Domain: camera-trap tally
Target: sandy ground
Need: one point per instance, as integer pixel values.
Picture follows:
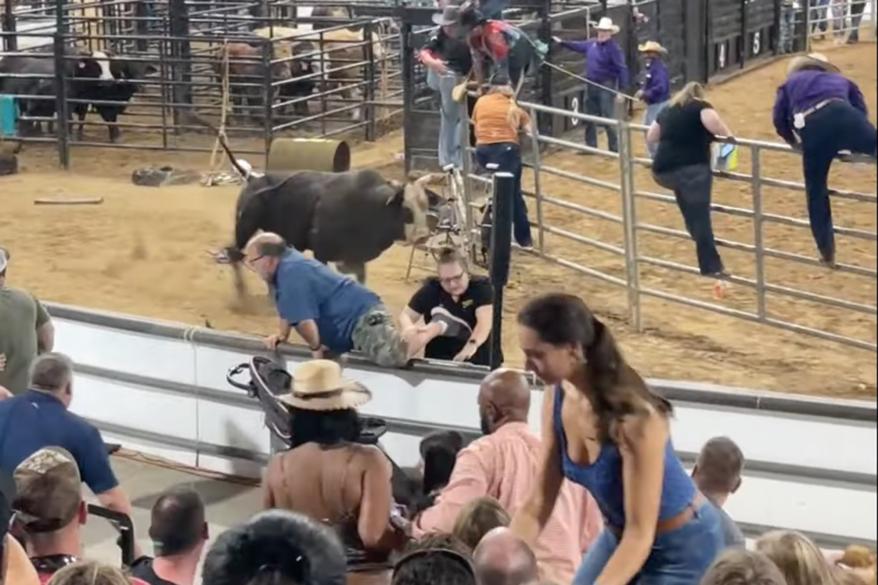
(143, 252)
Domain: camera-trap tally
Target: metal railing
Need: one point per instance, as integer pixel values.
(615, 215)
(839, 19)
(358, 72)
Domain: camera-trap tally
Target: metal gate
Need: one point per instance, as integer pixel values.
(617, 216)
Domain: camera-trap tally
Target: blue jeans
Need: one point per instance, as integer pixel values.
(507, 157)
(449, 118)
(680, 557)
(838, 126)
(652, 112)
(692, 186)
(599, 102)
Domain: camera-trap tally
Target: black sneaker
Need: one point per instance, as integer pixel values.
(454, 326)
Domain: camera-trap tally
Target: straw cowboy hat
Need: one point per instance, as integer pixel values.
(652, 47)
(606, 24)
(318, 385)
(812, 60)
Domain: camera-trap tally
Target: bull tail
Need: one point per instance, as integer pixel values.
(222, 140)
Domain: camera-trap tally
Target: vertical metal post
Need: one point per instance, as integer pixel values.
(369, 91)
(324, 85)
(629, 220)
(10, 43)
(778, 7)
(268, 89)
(467, 170)
(756, 181)
(807, 4)
(501, 252)
(538, 191)
(407, 65)
(745, 42)
(163, 90)
(62, 116)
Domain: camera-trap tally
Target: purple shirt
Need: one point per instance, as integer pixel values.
(656, 86)
(604, 62)
(804, 90)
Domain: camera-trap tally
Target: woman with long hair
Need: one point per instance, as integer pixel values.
(604, 429)
(797, 557)
(684, 132)
(330, 477)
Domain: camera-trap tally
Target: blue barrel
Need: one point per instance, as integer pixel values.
(8, 115)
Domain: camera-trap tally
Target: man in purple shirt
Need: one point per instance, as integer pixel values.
(655, 89)
(821, 113)
(605, 67)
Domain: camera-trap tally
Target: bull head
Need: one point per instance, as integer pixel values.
(419, 201)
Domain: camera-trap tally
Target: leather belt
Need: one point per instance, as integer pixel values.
(817, 107)
(674, 522)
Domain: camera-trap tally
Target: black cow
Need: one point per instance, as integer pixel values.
(41, 84)
(116, 84)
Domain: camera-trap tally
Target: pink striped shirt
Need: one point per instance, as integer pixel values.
(505, 465)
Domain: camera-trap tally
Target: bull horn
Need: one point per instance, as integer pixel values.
(427, 179)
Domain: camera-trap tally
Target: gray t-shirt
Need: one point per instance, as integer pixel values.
(732, 535)
(21, 314)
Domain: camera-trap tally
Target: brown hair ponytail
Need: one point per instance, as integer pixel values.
(617, 390)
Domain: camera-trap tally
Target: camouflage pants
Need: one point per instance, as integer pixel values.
(378, 338)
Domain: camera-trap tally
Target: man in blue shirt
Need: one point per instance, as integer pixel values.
(820, 112)
(331, 312)
(605, 67)
(40, 418)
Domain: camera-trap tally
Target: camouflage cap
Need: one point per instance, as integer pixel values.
(49, 490)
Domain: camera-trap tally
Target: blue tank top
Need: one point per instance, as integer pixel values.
(603, 478)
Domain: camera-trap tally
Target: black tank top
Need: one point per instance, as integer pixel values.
(684, 139)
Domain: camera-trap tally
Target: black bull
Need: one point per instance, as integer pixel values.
(347, 218)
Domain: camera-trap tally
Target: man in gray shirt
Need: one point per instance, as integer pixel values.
(717, 474)
(25, 331)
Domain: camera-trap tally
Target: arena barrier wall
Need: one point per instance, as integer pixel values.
(352, 64)
(160, 388)
(836, 20)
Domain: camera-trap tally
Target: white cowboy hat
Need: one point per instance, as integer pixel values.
(814, 60)
(606, 24)
(318, 385)
(652, 47)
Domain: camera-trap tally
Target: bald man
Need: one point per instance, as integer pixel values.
(331, 312)
(503, 465)
(502, 558)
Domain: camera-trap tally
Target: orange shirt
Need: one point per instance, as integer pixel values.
(491, 120)
(505, 466)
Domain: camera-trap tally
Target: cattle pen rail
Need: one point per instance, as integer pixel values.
(331, 76)
(645, 258)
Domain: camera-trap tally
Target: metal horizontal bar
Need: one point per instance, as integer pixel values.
(582, 209)
(719, 207)
(579, 178)
(585, 270)
(852, 232)
(585, 240)
(665, 231)
(612, 122)
(575, 146)
(843, 268)
(821, 299)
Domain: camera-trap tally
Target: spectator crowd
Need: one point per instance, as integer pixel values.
(600, 497)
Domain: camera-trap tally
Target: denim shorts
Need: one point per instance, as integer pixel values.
(680, 557)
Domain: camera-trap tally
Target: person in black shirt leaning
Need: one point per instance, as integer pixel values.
(461, 306)
(448, 61)
(684, 132)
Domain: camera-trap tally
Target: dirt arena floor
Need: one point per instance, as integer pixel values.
(143, 252)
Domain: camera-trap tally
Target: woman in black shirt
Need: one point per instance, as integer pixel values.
(684, 132)
(456, 309)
